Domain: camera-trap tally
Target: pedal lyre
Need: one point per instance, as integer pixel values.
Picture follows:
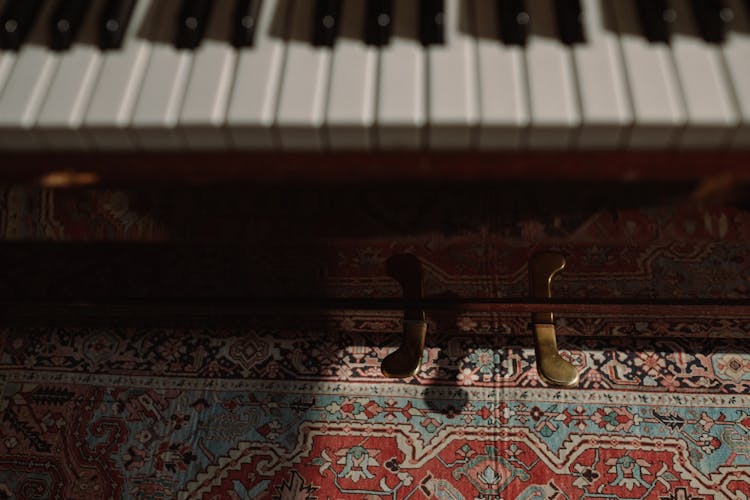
(405, 361)
(552, 368)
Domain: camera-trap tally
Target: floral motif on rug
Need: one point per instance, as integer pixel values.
(305, 415)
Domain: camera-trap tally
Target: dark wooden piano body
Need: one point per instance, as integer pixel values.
(264, 238)
(628, 167)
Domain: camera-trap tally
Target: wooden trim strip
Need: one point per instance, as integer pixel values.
(78, 169)
(30, 310)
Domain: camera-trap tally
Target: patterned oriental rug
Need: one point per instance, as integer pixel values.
(295, 407)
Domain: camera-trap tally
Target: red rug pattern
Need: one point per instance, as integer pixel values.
(296, 408)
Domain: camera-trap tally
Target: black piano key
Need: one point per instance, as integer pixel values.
(432, 22)
(512, 22)
(712, 17)
(16, 22)
(246, 16)
(657, 18)
(326, 22)
(569, 16)
(378, 22)
(191, 25)
(66, 21)
(114, 23)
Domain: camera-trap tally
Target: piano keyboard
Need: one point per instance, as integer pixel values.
(316, 75)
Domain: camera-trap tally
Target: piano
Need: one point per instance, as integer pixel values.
(623, 92)
(374, 75)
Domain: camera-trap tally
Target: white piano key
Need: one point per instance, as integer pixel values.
(113, 100)
(157, 109)
(304, 87)
(658, 110)
(555, 115)
(602, 87)
(252, 106)
(401, 111)
(737, 62)
(711, 117)
(7, 58)
(453, 107)
(63, 110)
(351, 102)
(7, 61)
(207, 95)
(504, 113)
(27, 86)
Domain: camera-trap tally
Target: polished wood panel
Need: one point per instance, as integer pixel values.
(64, 169)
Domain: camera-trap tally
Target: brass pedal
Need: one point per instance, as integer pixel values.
(405, 361)
(552, 368)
